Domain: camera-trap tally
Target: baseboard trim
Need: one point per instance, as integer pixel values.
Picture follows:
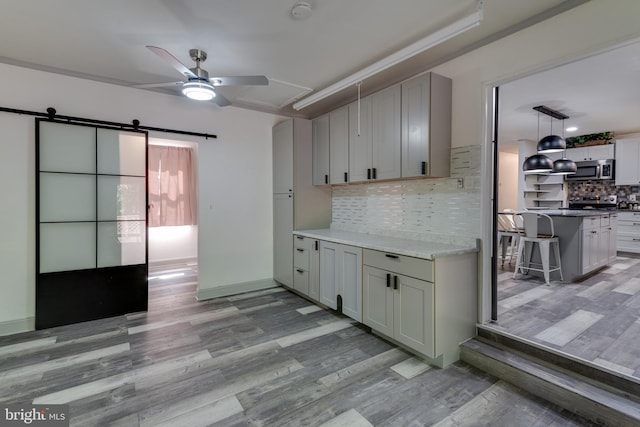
(16, 326)
(236, 288)
(172, 262)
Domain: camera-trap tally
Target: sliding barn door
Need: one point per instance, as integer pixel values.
(91, 222)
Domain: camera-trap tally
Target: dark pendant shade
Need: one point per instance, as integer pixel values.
(551, 144)
(564, 167)
(538, 163)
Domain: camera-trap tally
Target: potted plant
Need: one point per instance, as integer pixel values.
(589, 139)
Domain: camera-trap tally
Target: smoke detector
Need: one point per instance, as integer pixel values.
(301, 10)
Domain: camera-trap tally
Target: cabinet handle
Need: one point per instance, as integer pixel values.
(388, 280)
(391, 256)
(316, 245)
(326, 179)
(395, 282)
(345, 177)
(299, 250)
(300, 271)
(636, 223)
(290, 196)
(636, 240)
(375, 173)
(300, 237)
(423, 168)
(368, 173)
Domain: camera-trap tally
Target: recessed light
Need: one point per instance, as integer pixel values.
(571, 129)
(301, 10)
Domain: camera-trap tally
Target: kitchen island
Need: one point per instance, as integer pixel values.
(587, 239)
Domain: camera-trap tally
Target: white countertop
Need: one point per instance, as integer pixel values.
(414, 248)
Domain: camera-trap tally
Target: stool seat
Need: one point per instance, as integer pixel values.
(529, 239)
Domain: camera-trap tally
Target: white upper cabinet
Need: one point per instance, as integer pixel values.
(426, 126)
(595, 152)
(360, 140)
(627, 161)
(321, 150)
(374, 137)
(385, 133)
(339, 146)
(283, 157)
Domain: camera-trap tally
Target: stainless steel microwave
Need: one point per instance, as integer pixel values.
(593, 169)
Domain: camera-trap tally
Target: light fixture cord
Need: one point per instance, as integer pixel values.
(358, 84)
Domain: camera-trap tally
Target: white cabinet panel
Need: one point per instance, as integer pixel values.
(341, 275)
(283, 239)
(414, 314)
(627, 161)
(377, 300)
(339, 146)
(595, 152)
(283, 157)
(360, 144)
(320, 138)
(306, 266)
(385, 133)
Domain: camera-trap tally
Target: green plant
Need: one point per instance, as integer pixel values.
(581, 139)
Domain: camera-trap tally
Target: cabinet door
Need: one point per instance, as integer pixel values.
(377, 300)
(578, 154)
(613, 238)
(339, 145)
(385, 133)
(415, 126)
(283, 157)
(413, 312)
(283, 239)
(604, 240)
(320, 144)
(590, 247)
(329, 274)
(360, 156)
(601, 152)
(350, 281)
(314, 270)
(627, 157)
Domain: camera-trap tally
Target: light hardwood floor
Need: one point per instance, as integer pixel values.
(265, 358)
(597, 319)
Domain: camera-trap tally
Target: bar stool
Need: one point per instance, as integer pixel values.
(508, 234)
(529, 239)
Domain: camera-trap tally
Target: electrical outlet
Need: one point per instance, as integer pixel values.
(460, 182)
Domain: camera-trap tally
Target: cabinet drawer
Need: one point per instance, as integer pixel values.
(405, 265)
(628, 243)
(629, 227)
(301, 258)
(629, 216)
(301, 280)
(605, 221)
(590, 222)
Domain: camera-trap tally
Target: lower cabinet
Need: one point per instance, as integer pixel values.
(400, 307)
(398, 299)
(306, 267)
(341, 278)
(599, 241)
(628, 232)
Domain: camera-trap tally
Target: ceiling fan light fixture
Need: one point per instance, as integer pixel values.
(552, 144)
(198, 90)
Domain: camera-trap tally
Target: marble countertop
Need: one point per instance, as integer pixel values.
(575, 212)
(414, 248)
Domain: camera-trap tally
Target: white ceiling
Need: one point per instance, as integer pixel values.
(105, 40)
(599, 93)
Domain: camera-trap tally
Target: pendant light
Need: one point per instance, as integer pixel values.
(563, 166)
(538, 163)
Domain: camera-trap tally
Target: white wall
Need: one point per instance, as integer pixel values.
(235, 225)
(509, 166)
(567, 37)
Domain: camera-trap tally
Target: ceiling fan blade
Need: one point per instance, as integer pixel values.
(239, 81)
(221, 100)
(183, 69)
(150, 85)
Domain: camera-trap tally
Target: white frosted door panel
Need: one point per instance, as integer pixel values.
(67, 197)
(121, 153)
(65, 148)
(121, 197)
(121, 243)
(67, 246)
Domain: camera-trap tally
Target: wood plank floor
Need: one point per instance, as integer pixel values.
(265, 358)
(597, 319)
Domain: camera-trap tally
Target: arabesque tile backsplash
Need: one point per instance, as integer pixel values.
(425, 209)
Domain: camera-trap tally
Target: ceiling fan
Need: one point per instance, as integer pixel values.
(199, 85)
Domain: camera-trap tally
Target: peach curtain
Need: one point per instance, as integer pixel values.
(172, 186)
